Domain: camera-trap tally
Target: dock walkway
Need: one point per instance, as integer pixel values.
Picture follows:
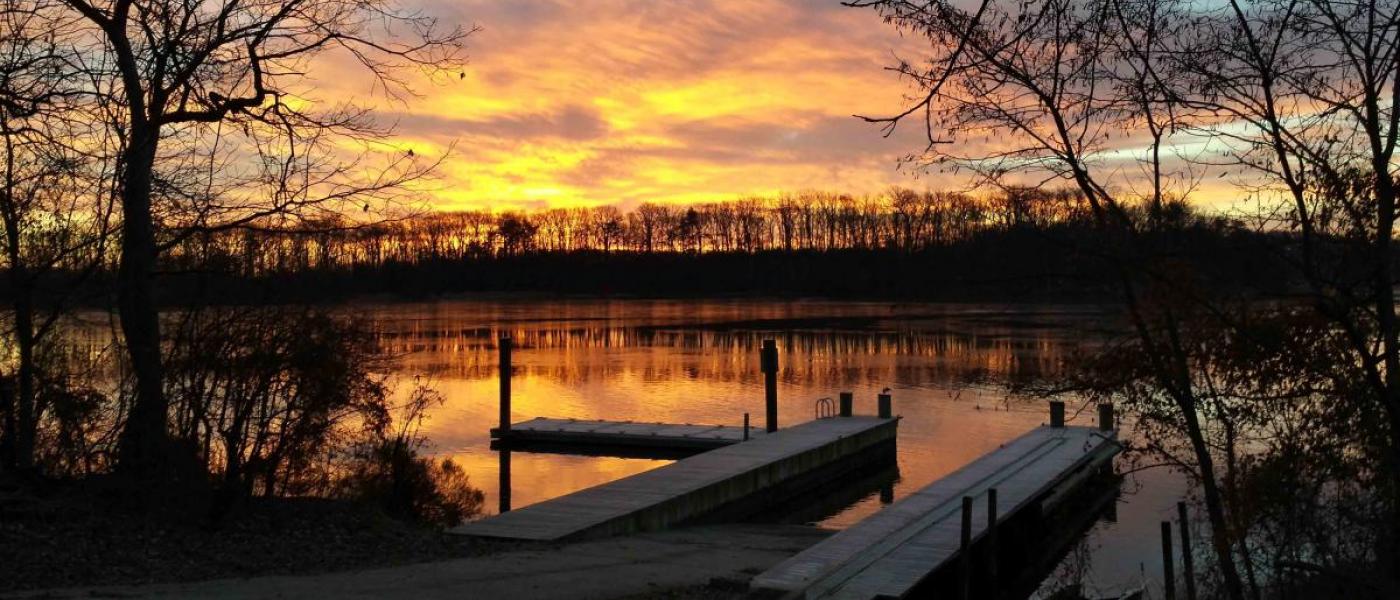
(693, 487)
(660, 436)
(889, 553)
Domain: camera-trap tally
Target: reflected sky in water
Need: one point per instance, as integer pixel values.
(697, 362)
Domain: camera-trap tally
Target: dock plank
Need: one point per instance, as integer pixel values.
(681, 436)
(888, 553)
(690, 487)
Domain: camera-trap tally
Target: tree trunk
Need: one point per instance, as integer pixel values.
(144, 440)
(25, 408)
(1390, 544)
(1215, 506)
(8, 426)
(1390, 340)
(20, 414)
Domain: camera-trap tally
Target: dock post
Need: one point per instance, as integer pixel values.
(503, 489)
(885, 408)
(1057, 413)
(847, 400)
(993, 553)
(768, 361)
(965, 551)
(746, 427)
(1168, 572)
(505, 372)
(1106, 417)
(1188, 568)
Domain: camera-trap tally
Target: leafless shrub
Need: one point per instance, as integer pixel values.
(295, 401)
(386, 469)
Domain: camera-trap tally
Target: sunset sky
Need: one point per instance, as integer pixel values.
(627, 101)
(622, 101)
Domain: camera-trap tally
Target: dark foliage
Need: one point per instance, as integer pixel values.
(1054, 261)
(385, 469)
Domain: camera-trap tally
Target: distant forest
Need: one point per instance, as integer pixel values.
(1018, 243)
(1015, 244)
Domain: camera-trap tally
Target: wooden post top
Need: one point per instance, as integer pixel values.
(768, 358)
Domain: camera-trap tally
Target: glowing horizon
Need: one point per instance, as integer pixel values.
(620, 102)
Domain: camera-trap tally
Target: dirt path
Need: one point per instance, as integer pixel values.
(611, 568)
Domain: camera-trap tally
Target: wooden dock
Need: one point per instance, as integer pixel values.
(890, 553)
(630, 434)
(761, 470)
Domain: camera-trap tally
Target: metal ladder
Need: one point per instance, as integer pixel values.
(825, 408)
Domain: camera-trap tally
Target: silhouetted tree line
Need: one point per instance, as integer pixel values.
(902, 243)
(901, 219)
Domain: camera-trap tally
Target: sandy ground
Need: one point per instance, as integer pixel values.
(638, 565)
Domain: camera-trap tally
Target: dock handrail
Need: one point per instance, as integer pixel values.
(825, 408)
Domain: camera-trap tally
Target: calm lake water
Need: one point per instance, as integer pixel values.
(946, 365)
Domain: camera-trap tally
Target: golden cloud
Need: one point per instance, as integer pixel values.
(620, 101)
(628, 101)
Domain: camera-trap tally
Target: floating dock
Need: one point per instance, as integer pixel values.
(726, 481)
(889, 554)
(629, 434)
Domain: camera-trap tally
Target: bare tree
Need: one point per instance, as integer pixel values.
(1300, 100)
(1052, 82)
(1293, 101)
(47, 209)
(608, 227)
(193, 79)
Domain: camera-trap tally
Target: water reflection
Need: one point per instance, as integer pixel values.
(1034, 552)
(836, 496)
(503, 486)
(816, 357)
(698, 362)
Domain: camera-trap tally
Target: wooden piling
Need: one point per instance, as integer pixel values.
(1168, 572)
(1188, 567)
(993, 553)
(1106, 418)
(1057, 413)
(505, 372)
(503, 486)
(768, 361)
(847, 403)
(965, 551)
(746, 427)
(886, 408)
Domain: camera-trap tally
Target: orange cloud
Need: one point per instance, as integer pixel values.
(622, 101)
(630, 101)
